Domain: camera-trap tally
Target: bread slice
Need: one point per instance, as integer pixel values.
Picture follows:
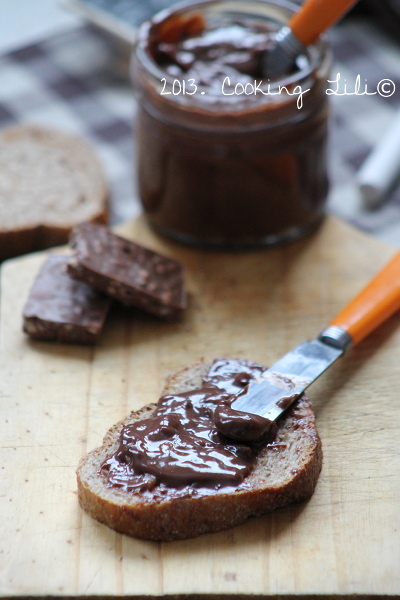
(49, 182)
(285, 472)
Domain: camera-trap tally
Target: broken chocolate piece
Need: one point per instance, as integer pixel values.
(132, 274)
(62, 309)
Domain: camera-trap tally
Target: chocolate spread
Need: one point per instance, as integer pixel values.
(235, 51)
(239, 425)
(179, 445)
(221, 168)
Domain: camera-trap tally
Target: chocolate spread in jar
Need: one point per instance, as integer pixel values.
(179, 446)
(216, 167)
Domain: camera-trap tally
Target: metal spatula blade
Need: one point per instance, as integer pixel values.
(271, 394)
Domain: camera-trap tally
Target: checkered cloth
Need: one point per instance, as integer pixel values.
(71, 81)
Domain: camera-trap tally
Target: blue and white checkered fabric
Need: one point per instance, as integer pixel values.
(69, 81)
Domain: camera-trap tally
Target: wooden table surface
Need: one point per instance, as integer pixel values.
(57, 401)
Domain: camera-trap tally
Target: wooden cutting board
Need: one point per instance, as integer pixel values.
(57, 401)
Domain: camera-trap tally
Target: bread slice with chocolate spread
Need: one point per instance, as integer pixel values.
(285, 472)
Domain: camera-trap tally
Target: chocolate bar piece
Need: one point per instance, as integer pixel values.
(132, 274)
(62, 309)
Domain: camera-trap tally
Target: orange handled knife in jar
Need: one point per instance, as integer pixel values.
(312, 19)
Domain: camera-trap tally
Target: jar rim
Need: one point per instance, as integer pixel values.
(315, 52)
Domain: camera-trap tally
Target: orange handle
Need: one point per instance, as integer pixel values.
(376, 303)
(315, 16)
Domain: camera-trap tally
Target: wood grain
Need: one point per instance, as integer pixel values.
(57, 401)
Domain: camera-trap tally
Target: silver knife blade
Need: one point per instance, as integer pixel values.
(280, 385)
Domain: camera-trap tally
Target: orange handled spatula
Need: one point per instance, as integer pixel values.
(313, 18)
(275, 390)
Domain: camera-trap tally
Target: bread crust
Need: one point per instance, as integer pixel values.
(153, 518)
(45, 232)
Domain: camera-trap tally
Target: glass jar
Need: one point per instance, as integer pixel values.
(231, 166)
